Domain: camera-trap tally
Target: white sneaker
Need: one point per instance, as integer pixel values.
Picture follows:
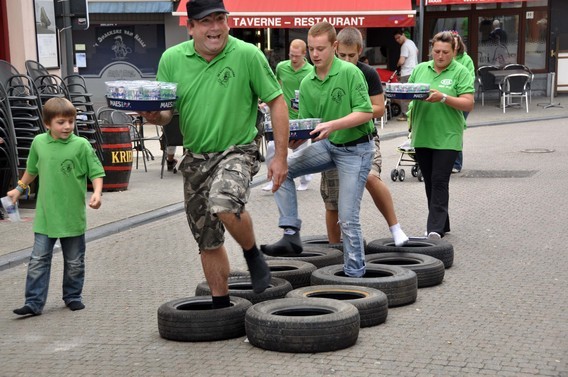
(267, 187)
(434, 236)
(302, 187)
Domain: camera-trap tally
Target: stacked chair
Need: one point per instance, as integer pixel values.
(8, 145)
(74, 88)
(24, 108)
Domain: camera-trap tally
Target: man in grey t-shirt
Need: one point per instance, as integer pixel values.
(406, 62)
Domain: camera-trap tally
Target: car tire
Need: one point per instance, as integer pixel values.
(371, 303)
(439, 249)
(429, 270)
(399, 284)
(302, 325)
(192, 319)
(241, 286)
(317, 255)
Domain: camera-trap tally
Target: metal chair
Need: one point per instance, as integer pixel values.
(486, 81)
(171, 137)
(527, 70)
(514, 85)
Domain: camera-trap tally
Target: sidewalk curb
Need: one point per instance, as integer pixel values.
(21, 256)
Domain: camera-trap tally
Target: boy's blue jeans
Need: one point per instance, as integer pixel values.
(39, 270)
(353, 164)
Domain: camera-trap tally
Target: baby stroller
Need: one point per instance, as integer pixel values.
(406, 159)
(392, 106)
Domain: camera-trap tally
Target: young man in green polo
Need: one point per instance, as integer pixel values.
(290, 74)
(336, 92)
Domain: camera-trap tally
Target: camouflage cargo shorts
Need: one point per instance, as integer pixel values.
(214, 183)
(329, 186)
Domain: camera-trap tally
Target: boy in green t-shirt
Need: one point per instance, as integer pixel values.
(63, 161)
(336, 92)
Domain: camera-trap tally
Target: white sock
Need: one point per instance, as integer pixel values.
(399, 237)
(289, 231)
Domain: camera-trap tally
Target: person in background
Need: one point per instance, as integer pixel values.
(219, 82)
(363, 59)
(437, 126)
(336, 92)
(290, 74)
(464, 59)
(349, 47)
(498, 35)
(63, 161)
(406, 63)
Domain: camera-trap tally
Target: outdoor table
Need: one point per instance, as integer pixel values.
(500, 74)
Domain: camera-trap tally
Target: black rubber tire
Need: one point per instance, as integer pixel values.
(396, 110)
(371, 303)
(394, 175)
(323, 241)
(298, 273)
(317, 255)
(302, 325)
(240, 286)
(439, 249)
(399, 284)
(429, 270)
(401, 175)
(414, 170)
(192, 319)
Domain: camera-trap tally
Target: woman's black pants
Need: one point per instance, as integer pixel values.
(436, 166)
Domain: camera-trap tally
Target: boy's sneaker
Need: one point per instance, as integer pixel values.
(75, 305)
(25, 310)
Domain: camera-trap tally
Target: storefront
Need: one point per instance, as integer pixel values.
(271, 25)
(496, 32)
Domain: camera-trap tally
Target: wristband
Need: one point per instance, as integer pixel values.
(22, 185)
(20, 189)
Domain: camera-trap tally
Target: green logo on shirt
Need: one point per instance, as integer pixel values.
(225, 75)
(337, 95)
(67, 167)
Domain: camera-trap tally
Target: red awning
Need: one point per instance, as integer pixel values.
(305, 13)
(449, 2)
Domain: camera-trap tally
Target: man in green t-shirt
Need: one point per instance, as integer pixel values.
(219, 82)
(336, 92)
(289, 74)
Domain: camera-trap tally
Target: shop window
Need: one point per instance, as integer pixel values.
(537, 3)
(512, 5)
(459, 24)
(138, 45)
(535, 41)
(498, 40)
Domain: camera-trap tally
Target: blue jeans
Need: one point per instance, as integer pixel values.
(353, 164)
(39, 270)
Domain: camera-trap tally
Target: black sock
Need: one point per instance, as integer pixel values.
(24, 310)
(220, 302)
(288, 245)
(259, 271)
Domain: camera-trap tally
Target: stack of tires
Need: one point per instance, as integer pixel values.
(311, 305)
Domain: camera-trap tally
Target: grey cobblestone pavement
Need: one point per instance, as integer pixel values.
(501, 311)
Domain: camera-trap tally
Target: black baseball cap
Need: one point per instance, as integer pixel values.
(198, 9)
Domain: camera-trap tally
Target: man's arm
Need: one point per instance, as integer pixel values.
(352, 120)
(378, 103)
(278, 168)
(159, 118)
